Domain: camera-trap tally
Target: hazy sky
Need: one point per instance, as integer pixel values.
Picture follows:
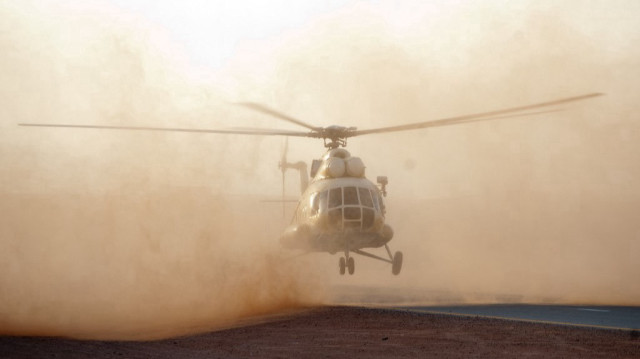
(210, 31)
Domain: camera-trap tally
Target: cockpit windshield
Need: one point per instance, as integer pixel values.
(347, 207)
(347, 196)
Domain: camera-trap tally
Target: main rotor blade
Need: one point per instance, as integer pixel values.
(261, 108)
(437, 123)
(169, 129)
(491, 115)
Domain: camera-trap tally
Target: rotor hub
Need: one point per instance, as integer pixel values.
(335, 136)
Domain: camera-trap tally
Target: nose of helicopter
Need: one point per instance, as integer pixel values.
(351, 219)
(353, 208)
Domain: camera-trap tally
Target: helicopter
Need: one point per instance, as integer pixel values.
(340, 210)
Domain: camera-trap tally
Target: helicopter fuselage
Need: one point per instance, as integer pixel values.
(335, 214)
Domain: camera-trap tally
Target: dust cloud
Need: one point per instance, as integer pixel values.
(118, 235)
(532, 209)
(112, 235)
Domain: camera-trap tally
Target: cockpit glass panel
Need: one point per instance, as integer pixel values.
(322, 200)
(375, 201)
(350, 196)
(335, 217)
(352, 213)
(335, 197)
(314, 204)
(365, 197)
(313, 201)
(367, 218)
(378, 199)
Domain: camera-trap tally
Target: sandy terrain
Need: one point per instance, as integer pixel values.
(354, 332)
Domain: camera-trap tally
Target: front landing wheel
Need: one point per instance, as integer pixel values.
(351, 265)
(342, 264)
(396, 264)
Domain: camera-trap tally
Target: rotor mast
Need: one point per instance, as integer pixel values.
(335, 136)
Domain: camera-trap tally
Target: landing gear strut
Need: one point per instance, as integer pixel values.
(394, 259)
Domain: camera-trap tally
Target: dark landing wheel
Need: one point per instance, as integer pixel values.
(351, 264)
(342, 264)
(396, 266)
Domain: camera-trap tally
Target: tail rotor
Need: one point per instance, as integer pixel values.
(283, 168)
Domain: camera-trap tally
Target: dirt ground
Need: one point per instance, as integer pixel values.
(354, 332)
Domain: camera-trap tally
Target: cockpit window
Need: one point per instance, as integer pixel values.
(317, 201)
(322, 199)
(348, 208)
(376, 198)
(350, 196)
(314, 203)
(346, 196)
(365, 197)
(380, 204)
(335, 197)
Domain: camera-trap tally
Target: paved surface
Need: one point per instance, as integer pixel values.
(610, 317)
(351, 332)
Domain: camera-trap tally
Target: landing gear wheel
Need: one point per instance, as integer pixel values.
(396, 264)
(342, 264)
(351, 264)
